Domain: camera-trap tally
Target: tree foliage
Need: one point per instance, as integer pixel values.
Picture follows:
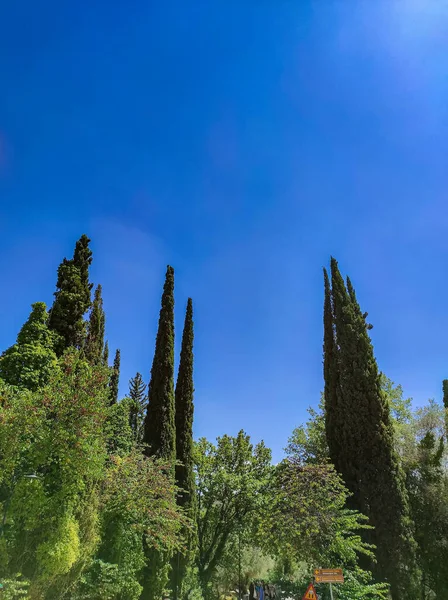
(31, 361)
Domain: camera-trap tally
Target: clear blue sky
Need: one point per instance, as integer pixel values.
(243, 142)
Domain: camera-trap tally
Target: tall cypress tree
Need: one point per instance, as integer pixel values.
(115, 379)
(445, 404)
(184, 444)
(95, 330)
(361, 444)
(137, 394)
(159, 432)
(106, 354)
(72, 297)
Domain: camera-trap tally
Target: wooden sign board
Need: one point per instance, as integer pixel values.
(310, 593)
(328, 576)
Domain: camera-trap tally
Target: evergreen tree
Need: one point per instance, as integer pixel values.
(95, 330)
(106, 354)
(445, 404)
(32, 359)
(185, 478)
(362, 443)
(138, 397)
(159, 433)
(115, 379)
(72, 297)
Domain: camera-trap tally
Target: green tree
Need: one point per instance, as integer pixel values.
(115, 379)
(72, 297)
(306, 521)
(159, 427)
(231, 481)
(159, 433)
(94, 346)
(106, 354)
(185, 478)
(31, 361)
(363, 448)
(308, 443)
(137, 394)
(445, 403)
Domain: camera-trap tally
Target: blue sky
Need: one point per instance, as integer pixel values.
(243, 142)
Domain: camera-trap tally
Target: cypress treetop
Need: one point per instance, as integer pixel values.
(115, 379)
(106, 354)
(95, 330)
(72, 298)
(137, 394)
(159, 429)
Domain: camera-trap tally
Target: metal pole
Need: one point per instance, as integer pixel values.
(331, 591)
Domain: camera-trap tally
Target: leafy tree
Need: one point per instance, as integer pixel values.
(115, 379)
(72, 297)
(308, 443)
(231, 479)
(94, 347)
(31, 361)
(445, 403)
(306, 519)
(137, 394)
(159, 434)
(363, 447)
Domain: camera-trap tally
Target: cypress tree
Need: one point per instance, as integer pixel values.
(72, 297)
(137, 394)
(159, 432)
(95, 330)
(362, 444)
(184, 443)
(106, 354)
(114, 379)
(445, 404)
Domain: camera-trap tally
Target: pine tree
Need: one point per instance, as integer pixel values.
(72, 297)
(115, 379)
(361, 443)
(185, 479)
(30, 362)
(137, 394)
(159, 433)
(95, 330)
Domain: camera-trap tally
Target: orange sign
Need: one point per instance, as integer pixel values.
(328, 576)
(310, 593)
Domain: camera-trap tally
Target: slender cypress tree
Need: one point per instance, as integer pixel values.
(445, 404)
(137, 394)
(115, 379)
(184, 444)
(95, 330)
(72, 298)
(184, 413)
(159, 432)
(106, 354)
(362, 443)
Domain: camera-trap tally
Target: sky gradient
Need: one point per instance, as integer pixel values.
(242, 142)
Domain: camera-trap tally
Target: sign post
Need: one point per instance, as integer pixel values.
(329, 576)
(331, 592)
